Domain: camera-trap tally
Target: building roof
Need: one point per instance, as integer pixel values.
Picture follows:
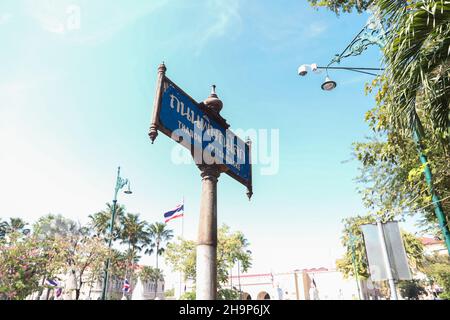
(430, 241)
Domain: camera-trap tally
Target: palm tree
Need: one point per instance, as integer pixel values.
(417, 63)
(156, 277)
(3, 229)
(50, 226)
(149, 273)
(101, 221)
(14, 225)
(146, 273)
(134, 233)
(159, 236)
(416, 89)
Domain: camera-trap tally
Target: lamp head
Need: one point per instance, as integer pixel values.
(303, 70)
(129, 190)
(329, 84)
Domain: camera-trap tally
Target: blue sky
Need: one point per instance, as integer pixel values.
(76, 103)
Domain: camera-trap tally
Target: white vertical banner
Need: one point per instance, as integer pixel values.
(395, 249)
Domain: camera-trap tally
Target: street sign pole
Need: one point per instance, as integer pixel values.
(201, 129)
(206, 284)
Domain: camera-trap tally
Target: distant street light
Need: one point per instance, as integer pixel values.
(120, 183)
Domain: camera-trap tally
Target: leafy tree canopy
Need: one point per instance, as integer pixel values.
(339, 6)
(232, 246)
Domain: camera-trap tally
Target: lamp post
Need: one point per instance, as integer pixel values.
(352, 240)
(120, 183)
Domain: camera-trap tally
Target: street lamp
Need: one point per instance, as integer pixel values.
(328, 84)
(120, 183)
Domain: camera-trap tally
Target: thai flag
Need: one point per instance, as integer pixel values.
(58, 292)
(52, 283)
(178, 212)
(126, 286)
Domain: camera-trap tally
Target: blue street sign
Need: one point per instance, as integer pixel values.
(202, 132)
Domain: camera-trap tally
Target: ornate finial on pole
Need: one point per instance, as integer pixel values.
(213, 102)
(153, 133)
(162, 68)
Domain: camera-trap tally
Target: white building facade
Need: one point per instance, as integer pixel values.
(305, 284)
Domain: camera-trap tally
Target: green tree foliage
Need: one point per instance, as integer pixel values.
(154, 275)
(149, 273)
(90, 255)
(352, 225)
(438, 270)
(391, 176)
(159, 236)
(133, 232)
(181, 256)
(232, 246)
(413, 94)
(81, 253)
(24, 262)
(228, 294)
(58, 247)
(188, 296)
(118, 264)
(339, 6)
(12, 226)
(411, 290)
(417, 63)
(345, 264)
(169, 293)
(101, 221)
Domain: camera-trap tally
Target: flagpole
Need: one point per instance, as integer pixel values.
(182, 222)
(182, 238)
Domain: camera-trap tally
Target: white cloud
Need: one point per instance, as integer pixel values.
(55, 17)
(315, 29)
(225, 14)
